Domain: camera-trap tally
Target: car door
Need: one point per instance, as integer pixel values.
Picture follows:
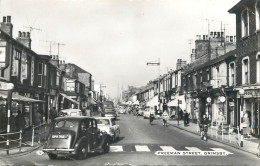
(115, 127)
(95, 133)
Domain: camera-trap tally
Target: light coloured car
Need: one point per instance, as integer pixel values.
(71, 112)
(108, 125)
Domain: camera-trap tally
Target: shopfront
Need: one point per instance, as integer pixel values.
(23, 103)
(251, 106)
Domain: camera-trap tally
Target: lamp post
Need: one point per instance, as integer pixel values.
(208, 104)
(9, 88)
(241, 93)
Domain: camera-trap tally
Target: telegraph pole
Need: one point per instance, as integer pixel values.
(156, 63)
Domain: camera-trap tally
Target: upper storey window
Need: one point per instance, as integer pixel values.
(245, 24)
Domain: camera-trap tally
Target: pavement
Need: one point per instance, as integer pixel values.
(249, 144)
(27, 145)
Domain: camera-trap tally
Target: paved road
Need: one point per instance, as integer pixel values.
(138, 143)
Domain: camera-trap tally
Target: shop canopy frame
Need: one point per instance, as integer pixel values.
(19, 98)
(174, 102)
(153, 102)
(70, 99)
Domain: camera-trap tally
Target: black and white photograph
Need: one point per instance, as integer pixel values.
(129, 82)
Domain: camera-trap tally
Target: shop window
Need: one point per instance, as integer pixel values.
(16, 68)
(258, 68)
(40, 74)
(257, 15)
(245, 71)
(232, 74)
(245, 24)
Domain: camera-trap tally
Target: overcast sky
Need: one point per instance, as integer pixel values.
(114, 39)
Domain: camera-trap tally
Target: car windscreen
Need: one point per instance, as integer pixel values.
(103, 121)
(64, 124)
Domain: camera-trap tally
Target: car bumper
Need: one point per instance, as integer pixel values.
(60, 151)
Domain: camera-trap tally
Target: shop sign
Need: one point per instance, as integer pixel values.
(231, 104)
(251, 93)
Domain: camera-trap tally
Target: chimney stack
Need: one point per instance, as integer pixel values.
(7, 26)
(24, 38)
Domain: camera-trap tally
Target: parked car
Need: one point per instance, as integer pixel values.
(77, 136)
(109, 126)
(71, 112)
(109, 110)
(146, 114)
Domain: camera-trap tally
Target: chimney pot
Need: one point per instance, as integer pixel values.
(204, 37)
(218, 34)
(231, 38)
(28, 34)
(227, 38)
(57, 57)
(4, 19)
(19, 34)
(8, 18)
(24, 34)
(222, 34)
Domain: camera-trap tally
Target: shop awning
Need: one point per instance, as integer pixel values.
(70, 99)
(153, 102)
(175, 102)
(16, 97)
(92, 101)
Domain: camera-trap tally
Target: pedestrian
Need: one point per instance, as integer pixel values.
(186, 118)
(54, 114)
(19, 122)
(165, 117)
(37, 121)
(88, 111)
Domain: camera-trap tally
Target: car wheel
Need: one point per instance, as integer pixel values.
(82, 151)
(52, 156)
(106, 147)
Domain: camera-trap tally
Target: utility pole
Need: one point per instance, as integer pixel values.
(156, 63)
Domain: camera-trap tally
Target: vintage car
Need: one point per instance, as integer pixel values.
(76, 136)
(109, 110)
(109, 126)
(71, 112)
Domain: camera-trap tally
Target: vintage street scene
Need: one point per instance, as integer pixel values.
(129, 82)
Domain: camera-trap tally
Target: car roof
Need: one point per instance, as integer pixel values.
(71, 110)
(103, 118)
(74, 117)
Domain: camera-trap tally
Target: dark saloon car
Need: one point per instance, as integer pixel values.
(77, 136)
(109, 110)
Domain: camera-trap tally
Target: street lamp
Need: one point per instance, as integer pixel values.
(241, 92)
(208, 104)
(9, 87)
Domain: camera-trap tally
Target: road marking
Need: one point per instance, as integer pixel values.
(194, 149)
(142, 148)
(116, 149)
(167, 148)
(221, 150)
